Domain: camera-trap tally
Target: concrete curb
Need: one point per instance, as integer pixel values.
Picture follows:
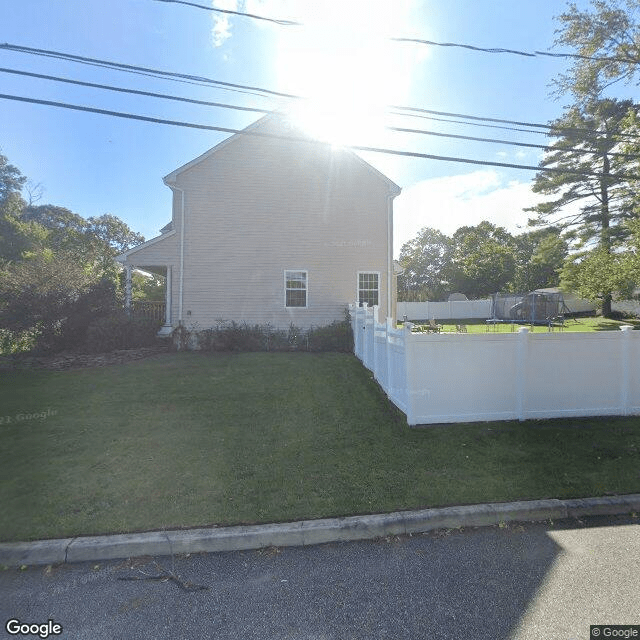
(306, 532)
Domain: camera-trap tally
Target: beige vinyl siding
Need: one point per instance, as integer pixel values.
(164, 251)
(255, 209)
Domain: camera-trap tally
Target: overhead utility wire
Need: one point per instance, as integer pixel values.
(461, 115)
(136, 92)
(264, 111)
(470, 124)
(528, 54)
(129, 67)
(551, 130)
(517, 52)
(398, 152)
(510, 142)
(261, 92)
(284, 23)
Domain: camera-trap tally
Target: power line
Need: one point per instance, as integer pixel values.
(132, 68)
(470, 124)
(547, 129)
(262, 92)
(137, 92)
(509, 142)
(398, 152)
(264, 111)
(468, 117)
(527, 54)
(284, 23)
(432, 43)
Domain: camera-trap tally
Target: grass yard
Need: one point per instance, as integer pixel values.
(190, 439)
(570, 324)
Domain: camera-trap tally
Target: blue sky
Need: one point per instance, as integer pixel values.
(94, 164)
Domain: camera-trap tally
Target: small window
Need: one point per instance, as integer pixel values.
(368, 288)
(295, 288)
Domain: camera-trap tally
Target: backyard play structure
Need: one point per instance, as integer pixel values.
(535, 307)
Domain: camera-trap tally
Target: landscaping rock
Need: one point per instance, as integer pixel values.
(64, 361)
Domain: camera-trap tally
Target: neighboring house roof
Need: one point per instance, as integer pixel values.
(288, 130)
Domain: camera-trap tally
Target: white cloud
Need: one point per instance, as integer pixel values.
(454, 201)
(221, 30)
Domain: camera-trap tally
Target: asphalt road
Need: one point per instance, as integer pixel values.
(533, 581)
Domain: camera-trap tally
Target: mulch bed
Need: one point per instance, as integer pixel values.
(69, 360)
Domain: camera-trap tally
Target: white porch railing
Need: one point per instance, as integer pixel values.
(448, 377)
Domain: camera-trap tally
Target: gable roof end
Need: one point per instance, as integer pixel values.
(171, 178)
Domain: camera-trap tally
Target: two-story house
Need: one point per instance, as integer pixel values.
(270, 226)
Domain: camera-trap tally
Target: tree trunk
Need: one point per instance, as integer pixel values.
(606, 305)
(605, 233)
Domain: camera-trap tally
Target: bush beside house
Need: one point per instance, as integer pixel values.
(234, 336)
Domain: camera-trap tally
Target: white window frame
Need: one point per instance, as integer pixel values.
(376, 273)
(306, 288)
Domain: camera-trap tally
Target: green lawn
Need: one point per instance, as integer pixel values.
(189, 439)
(570, 324)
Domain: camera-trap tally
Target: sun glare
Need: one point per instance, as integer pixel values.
(346, 68)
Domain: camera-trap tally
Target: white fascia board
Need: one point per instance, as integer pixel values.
(122, 258)
(394, 189)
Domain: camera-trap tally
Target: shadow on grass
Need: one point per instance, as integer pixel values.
(614, 325)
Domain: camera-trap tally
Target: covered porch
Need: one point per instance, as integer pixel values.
(157, 310)
(159, 256)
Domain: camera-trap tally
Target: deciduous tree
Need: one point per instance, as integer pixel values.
(426, 261)
(483, 261)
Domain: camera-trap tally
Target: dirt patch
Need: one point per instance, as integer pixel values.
(68, 360)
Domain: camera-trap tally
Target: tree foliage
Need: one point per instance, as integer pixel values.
(11, 179)
(478, 261)
(148, 288)
(540, 255)
(607, 38)
(57, 269)
(426, 261)
(483, 261)
(592, 193)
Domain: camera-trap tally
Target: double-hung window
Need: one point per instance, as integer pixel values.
(368, 288)
(295, 288)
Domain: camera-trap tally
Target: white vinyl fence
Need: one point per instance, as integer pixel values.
(461, 309)
(458, 309)
(449, 377)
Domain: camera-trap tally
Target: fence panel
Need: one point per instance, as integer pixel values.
(447, 377)
(462, 378)
(575, 374)
(380, 370)
(453, 310)
(397, 369)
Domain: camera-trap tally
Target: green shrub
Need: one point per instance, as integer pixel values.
(119, 331)
(234, 336)
(336, 336)
(16, 341)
